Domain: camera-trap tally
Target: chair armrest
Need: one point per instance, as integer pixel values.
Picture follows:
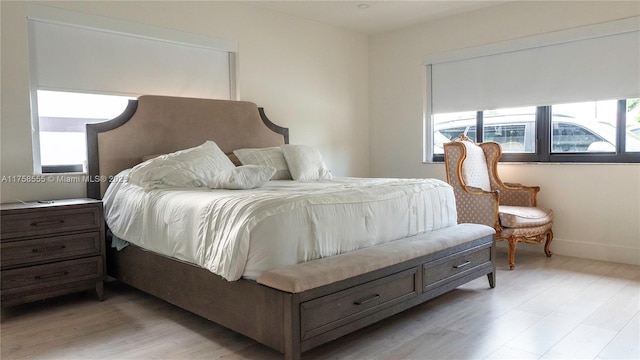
(473, 189)
(510, 184)
(477, 206)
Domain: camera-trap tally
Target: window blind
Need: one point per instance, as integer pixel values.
(84, 59)
(591, 67)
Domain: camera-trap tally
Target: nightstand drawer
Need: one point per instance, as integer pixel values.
(27, 252)
(34, 277)
(50, 221)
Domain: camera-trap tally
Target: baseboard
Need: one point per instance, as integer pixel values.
(587, 250)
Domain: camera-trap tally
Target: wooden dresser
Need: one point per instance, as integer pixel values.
(50, 249)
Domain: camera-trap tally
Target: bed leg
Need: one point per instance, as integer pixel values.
(292, 355)
(291, 327)
(492, 279)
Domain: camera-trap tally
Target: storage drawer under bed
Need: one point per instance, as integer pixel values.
(451, 267)
(331, 311)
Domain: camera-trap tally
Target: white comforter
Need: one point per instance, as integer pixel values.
(243, 233)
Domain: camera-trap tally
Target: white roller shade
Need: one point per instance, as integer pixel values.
(76, 58)
(594, 68)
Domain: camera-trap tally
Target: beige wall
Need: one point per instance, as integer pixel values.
(597, 207)
(309, 77)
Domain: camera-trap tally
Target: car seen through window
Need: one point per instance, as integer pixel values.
(516, 134)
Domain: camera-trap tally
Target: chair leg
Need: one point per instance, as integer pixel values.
(512, 242)
(548, 243)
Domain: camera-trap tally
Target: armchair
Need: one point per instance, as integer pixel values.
(482, 197)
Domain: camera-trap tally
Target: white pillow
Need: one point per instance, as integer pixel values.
(192, 167)
(242, 177)
(271, 156)
(474, 167)
(305, 163)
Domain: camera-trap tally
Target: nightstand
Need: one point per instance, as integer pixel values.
(50, 249)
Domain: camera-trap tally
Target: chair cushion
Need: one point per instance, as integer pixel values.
(474, 167)
(523, 216)
(525, 232)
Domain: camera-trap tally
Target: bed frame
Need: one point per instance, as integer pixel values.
(275, 311)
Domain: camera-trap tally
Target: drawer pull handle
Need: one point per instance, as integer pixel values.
(46, 223)
(47, 276)
(47, 249)
(366, 300)
(462, 265)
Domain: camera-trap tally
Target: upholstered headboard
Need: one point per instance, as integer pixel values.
(164, 124)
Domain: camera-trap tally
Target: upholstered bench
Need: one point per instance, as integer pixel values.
(338, 294)
(314, 274)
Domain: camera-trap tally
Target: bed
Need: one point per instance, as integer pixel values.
(300, 302)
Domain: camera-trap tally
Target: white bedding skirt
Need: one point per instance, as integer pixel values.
(242, 233)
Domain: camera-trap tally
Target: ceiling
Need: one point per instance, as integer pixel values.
(373, 16)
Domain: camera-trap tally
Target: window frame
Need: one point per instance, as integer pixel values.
(544, 154)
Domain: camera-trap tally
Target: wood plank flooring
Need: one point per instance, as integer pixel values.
(547, 308)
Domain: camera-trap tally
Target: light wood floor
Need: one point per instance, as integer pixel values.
(547, 308)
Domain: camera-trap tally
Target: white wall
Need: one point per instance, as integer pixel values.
(359, 100)
(309, 77)
(597, 206)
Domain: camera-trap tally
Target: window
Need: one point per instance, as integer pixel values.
(451, 125)
(514, 129)
(62, 117)
(75, 59)
(566, 96)
(584, 127)
(597, 131)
